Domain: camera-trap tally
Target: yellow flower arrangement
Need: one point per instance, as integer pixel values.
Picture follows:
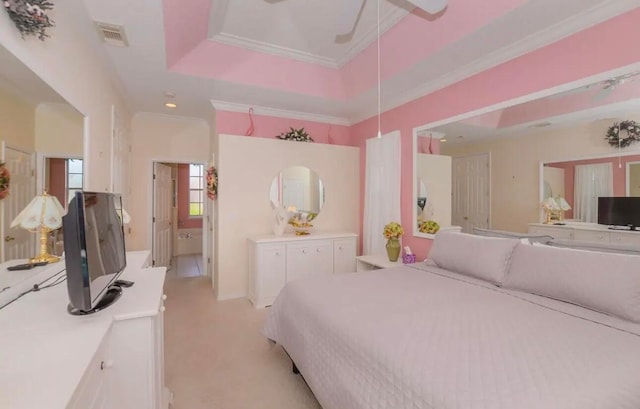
(393, 230)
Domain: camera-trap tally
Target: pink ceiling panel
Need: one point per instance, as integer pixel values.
(417, 36)
(186, 24)
(235, 64)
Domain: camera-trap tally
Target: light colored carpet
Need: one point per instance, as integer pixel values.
(216, 358)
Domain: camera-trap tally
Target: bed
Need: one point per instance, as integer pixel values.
(423, 336)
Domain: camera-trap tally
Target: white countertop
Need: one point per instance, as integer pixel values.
(44, 351)
(270, 238)
(585, 226)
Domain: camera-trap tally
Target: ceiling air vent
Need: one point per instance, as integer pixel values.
(112, 34)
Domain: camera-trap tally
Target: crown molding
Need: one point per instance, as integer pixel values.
(558, 31)
(386, 22)
(389, 20)
(279, 113)
(268, 48)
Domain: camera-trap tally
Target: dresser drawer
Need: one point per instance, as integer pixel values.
(555, 232)
(627, 239)
(590, 235)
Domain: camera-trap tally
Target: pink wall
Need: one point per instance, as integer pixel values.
(564, 61)
(237, 123)
(184, 221)
(57, 179)
(567, 60)
(619, 175)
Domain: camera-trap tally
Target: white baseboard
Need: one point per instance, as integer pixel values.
(224, 297)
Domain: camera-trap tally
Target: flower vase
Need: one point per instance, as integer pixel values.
(393, 249)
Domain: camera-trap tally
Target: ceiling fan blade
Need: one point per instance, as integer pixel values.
(349, 17)
(430, 6)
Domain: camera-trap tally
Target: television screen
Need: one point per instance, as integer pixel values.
(94, 246)
(619, 211)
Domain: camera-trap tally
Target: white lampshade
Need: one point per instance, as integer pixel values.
(550, 204)
(43, 211)
(563, 204)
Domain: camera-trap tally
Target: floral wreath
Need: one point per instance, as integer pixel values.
(5, 178)
(29, 16)
(632, 128)
(212, 183)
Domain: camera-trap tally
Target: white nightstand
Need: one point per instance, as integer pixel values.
(374, 262)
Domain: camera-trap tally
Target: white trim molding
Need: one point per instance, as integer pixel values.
(389, 20)
(279, 113)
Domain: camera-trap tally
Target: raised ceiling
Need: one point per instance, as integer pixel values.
(284, 55)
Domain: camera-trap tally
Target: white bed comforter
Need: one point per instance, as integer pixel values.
(426, 338)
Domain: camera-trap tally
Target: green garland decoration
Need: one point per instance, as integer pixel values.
(30, 17)
(615, 135)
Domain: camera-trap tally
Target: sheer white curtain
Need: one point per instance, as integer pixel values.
(590, 182)
(382, 190)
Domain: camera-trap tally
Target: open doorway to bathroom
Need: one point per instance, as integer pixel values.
(178, 211)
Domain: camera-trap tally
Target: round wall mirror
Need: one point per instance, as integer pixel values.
(299, 189)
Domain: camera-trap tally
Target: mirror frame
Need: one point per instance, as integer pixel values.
(631, 152)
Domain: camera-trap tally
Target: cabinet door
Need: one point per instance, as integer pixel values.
(555, 232)
(271, 270)
(300, 259)
(344, 255)
(323, 257)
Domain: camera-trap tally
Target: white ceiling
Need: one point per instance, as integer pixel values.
(142, 66)
(301, 29)
(19, 80)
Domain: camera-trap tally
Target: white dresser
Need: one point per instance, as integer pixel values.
(277, 260)
(113, 359)
(587, 232)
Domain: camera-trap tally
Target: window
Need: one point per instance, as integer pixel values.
(74, 177)
(196, 190)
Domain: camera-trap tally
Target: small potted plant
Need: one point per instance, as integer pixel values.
(392, 232)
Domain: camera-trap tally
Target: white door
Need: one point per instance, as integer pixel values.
(18, 242)
(161, 215)
(471, 192)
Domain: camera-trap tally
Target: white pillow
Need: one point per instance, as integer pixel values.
(482, 257)
(604, 282)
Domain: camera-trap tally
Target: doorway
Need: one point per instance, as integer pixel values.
(471, 192)
(178, 210)
(17, 243)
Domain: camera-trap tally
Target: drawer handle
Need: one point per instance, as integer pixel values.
(304, 251)
(277, 253)
(340, 248)
(318, 250)
(107, 364)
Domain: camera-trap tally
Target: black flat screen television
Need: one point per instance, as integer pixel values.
(94, 250)
(619, 212)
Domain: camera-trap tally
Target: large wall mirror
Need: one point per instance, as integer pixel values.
(432, 185)
(299, 189)
(42, 146)
(498, 154)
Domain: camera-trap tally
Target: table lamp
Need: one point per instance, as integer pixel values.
(563, 207)
(44, 212)
(550, 206)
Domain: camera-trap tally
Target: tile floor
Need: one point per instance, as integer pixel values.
(185, 266)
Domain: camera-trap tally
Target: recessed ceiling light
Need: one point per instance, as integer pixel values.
(443, 140)
(170, 105)
(169, 94)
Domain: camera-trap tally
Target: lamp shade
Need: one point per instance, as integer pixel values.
(43, 211)
(550, 204)
(563, 204)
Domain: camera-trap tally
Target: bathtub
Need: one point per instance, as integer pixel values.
(189, 241)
